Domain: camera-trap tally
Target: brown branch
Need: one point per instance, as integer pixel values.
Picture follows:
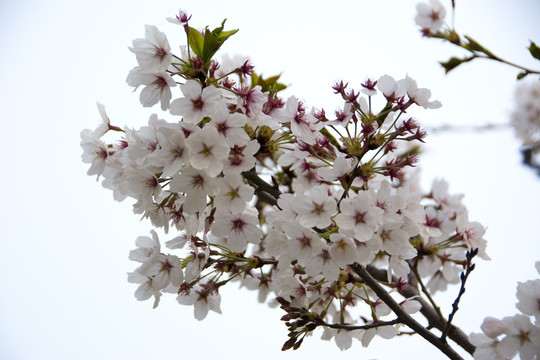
(402, 314)
(454, 333)
(358, 327)
(265, 191)
(414, 268)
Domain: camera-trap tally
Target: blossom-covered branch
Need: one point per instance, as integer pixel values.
(287, 201)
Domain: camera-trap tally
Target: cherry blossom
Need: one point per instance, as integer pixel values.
(196, 184)
(258, 191)
(430, 16)
(153, 52)
(197, 103)
(157, 86)
(207, 150)
(240, 229)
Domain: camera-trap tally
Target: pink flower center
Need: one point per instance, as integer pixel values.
(238, 225)
(198, 103)
(161, 53)
(359, 217)
(197, 180)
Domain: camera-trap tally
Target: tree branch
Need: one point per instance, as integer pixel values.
(265, 191)
(454, 333)
(402, 315)
(359, 327)
(414, 269)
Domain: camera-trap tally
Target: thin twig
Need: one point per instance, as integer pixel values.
(469, 128)
(359, 327)
(464, 275)
(414, 268)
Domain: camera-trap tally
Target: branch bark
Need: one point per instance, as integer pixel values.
(265, 191)
(431, 315)
(402, 315)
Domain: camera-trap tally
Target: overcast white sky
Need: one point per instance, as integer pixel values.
(65, 242)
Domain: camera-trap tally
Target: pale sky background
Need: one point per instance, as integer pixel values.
(65, 241)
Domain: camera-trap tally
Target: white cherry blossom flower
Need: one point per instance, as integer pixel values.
(388, 202)
(420, 95)
(304, 242)
(521, 336)
(95, 152)
(164, 270)
(276, 244)
(207, 150)
(324, 263)
(430, 16)
(394, 240)
(144, 186)
(472, 233)
(343, 250)
(493, 327)
(140, 144)
(386, 332)
(341, 167)
(146, 248)
(181, 19)
(360, 215)
(203, 299)
(196, 185)
(157, 86)
(239, 229)
(528, 294)
(486, 348)
(145, 290)
(316, 209)
(230, 126)
(153, 52)
(172, 153)
(342, 338)
(391, 88)
(197, 103)
(293, 289)
(233, 195)
(240, 158)
(300, 122)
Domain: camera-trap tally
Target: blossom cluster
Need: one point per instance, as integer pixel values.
(283, 199)
(526, 116)
(519, 333)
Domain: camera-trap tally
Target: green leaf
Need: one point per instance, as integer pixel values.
(271, 84)
(454, 62)
(206, 44)
(521, 75)
(196, 41)
(534, 50)
(472, 45)
(213, 41)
